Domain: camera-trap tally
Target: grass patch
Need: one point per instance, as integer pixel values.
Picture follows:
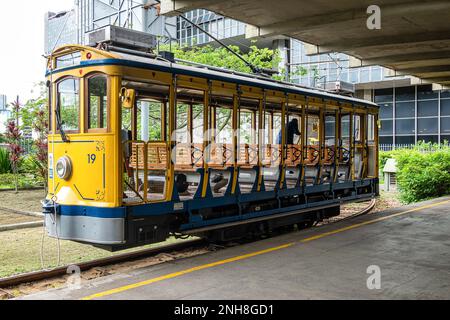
(20, 252)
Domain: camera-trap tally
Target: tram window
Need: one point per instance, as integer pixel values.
(68, 60)
(313, 130)
(357, 128)
(297, 138)
(197, 125)
(97, 106)
(69, 104)
(153, 110)
(276, 132)
(330, 127)
(182, 123)
(345, 129)
(371, 128)
(267, 129)
(246, 135)
(189, 116)
(224, 125)
(126, 119)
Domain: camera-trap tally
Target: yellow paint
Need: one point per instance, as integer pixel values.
(250, 255)
(181, 273)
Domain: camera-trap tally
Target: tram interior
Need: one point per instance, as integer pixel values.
(327, 155)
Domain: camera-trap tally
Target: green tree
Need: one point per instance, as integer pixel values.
(35, 115)
(222, 58)
(14, 137)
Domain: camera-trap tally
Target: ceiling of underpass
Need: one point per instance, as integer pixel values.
(414, 38)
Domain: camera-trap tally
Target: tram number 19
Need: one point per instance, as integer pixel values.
(92, 158)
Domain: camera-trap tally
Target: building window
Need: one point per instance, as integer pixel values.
(405, 140)
(445, 107)
(384, 95)
(432, 139)
(405, 126)
(69, 104)
(428, 108)
(427, 125)
(386, 140)
(386, 127)
(445, 139)
(97, 104)
(377, 73)
(405, 109)
(445, 125)
(386, 110)
(405, 94)
(426, 93)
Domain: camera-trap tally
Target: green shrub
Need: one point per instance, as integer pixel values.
(24, 181)
(28, 165)
(423, 175)
(5, 163)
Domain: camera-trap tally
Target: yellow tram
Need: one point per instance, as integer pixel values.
(141, 148)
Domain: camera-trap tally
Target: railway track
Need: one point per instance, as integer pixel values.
(127, 257)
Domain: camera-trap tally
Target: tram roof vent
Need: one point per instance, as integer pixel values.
(123, 38)
(340, 87)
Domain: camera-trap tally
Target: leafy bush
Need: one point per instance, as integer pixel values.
(28, 165)
(5, 163)
(423, 175)
(7, 181)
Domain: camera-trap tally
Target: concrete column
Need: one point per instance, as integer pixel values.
(145, 112)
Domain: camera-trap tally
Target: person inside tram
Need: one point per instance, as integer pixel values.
(291, 131)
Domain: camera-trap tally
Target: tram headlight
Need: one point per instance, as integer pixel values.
(64, 168)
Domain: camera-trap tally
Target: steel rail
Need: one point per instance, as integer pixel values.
(61, 271)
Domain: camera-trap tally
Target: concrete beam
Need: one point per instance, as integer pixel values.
(444, 81)
(390, 61)
(380, 45)
(176, 7)
(331, 19)
(436, 87)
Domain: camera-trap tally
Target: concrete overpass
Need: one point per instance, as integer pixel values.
(414, 38)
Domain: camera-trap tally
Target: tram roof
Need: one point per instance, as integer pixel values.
(213, 73)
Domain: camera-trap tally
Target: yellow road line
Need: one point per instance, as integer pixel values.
(250, 255)
(180, 273)
(322, 235)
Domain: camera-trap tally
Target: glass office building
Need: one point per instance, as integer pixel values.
(328, 68)
(412, 114)
(60, 29)
(217, 25)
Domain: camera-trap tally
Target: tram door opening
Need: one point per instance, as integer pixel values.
(293, 147)
(359, 136)
(344, 151)
(372, 146)
(272, 149)
(247, 151)
(144, 144)
(312, 152)
(329, 152)
(188, 153)
(221, 151)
